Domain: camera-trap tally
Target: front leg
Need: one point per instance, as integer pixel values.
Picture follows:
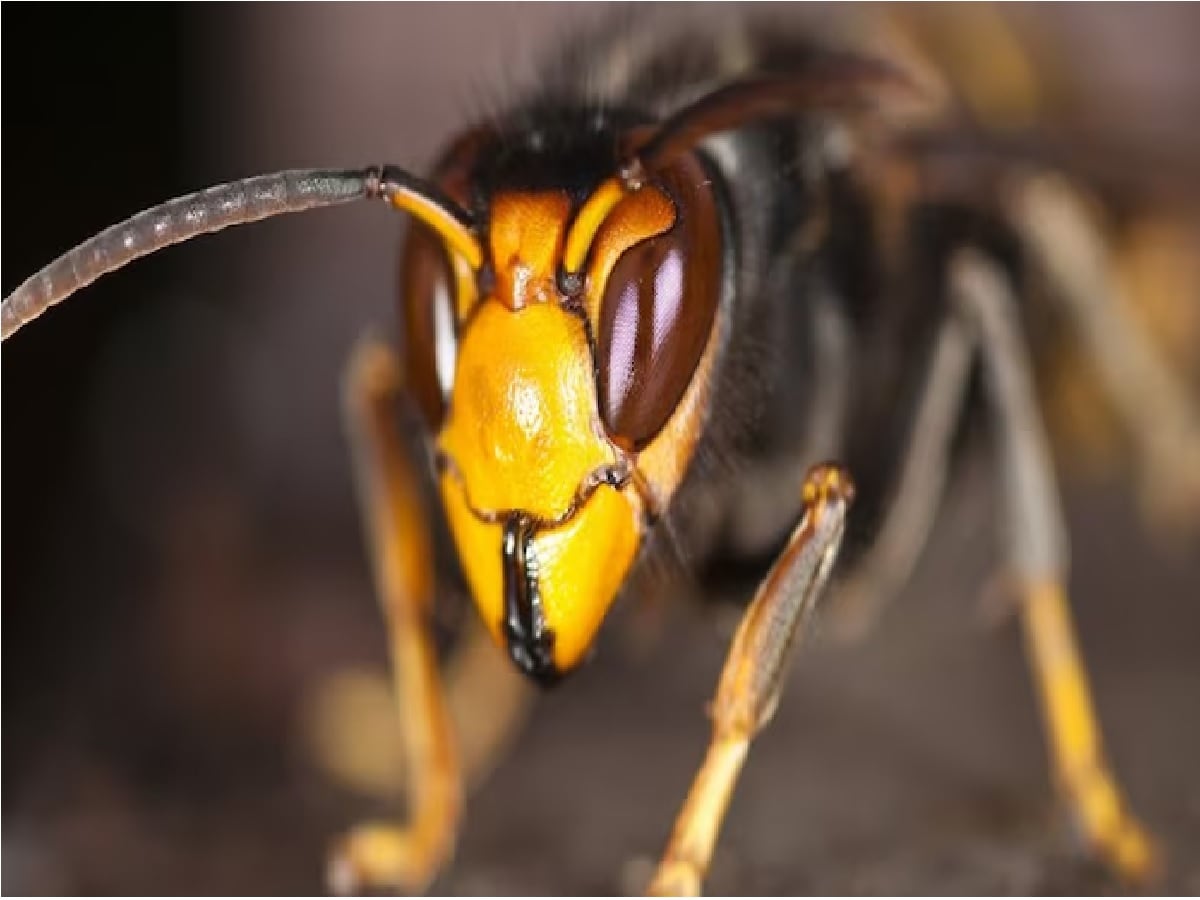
(384, 855)
(752, 678)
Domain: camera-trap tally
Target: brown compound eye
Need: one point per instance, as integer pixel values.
(657, 313)
(428, 308)
(433, 295)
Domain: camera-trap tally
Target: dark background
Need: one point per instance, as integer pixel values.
(183, 562)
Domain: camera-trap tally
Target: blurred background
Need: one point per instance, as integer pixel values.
(183, 562)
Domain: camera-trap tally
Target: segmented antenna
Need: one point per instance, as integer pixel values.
(834, 84)
(181, 219)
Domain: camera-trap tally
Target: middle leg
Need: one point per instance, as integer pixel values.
(893, 555)
(1159, 414)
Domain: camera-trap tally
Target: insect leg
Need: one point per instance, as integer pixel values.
(752, 678)
(922, 482)
(1038, 552)
(377, 855)
(1153, 404)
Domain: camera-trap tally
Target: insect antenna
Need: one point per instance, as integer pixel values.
(235, 203)
(837, 83)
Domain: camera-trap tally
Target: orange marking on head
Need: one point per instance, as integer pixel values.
(638, 216)
(457, 237)
(526, 235)
(590, 217)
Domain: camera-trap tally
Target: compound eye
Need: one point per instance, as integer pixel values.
(428, 311)
(656, 315)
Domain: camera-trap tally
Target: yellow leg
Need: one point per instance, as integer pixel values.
(378, 855)
(752, 678)
(1076, 750)
(685, 863)
(1038, 553)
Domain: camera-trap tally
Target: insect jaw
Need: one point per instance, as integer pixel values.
(530, 642)
(543, 587)
(528, 638)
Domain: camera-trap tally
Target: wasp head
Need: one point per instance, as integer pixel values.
(563, 372)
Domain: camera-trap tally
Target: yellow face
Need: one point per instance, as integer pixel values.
(547, 512)
(522, 436)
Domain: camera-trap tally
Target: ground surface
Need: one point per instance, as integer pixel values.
(911, 763)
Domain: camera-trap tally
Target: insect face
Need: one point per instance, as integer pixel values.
(561, 379)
